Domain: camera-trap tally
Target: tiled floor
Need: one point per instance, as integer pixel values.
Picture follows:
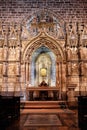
(69, 122)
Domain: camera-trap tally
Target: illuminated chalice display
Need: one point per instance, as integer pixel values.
(43, 72)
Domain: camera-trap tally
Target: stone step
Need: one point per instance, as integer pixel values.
(46, 111)
(43, 104)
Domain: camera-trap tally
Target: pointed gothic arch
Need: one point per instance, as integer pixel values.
(51, 44)
(43, 40)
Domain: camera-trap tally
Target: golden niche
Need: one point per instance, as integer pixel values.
(43, 72)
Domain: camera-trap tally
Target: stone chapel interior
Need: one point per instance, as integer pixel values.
(43, 56)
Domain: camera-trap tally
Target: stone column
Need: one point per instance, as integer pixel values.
(80, 55)
(18, 69)
(49, 77)
(25, 72)
(70, 95)
(5, 64)
(28, 72)
(19, 56)
(57, 74)
(60, 80)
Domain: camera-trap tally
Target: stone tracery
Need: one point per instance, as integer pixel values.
(18, 42)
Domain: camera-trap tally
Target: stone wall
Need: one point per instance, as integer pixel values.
(15, 38)
(17, 10)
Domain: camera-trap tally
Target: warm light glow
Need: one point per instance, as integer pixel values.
(43, 72)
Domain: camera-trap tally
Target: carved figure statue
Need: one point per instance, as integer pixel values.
(43, 83)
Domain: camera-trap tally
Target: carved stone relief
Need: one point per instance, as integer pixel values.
(44, 21)
(11, 69)
(1, 31)
(1, 53)
(75, 69)
(69, 67)
(19, 42)
(1, 69)
(12, 54)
